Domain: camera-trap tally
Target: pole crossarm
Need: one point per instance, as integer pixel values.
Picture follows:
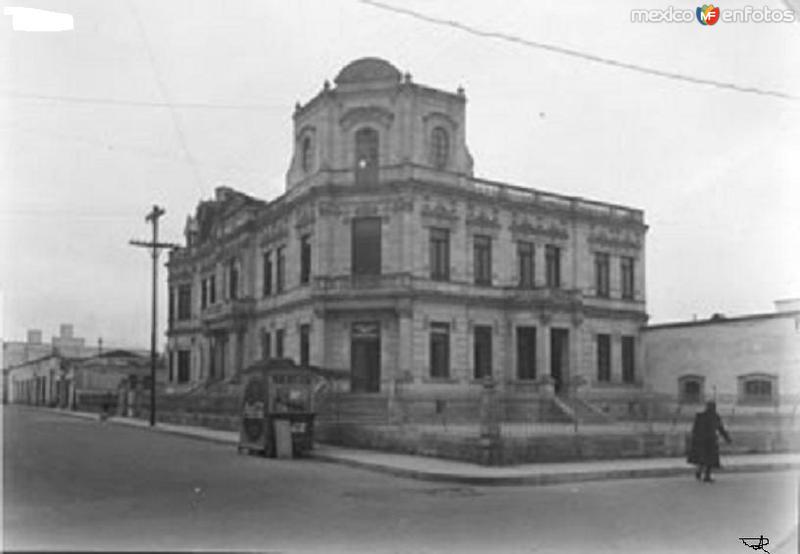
(159, 245)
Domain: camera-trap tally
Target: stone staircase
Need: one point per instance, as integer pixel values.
(578, 409)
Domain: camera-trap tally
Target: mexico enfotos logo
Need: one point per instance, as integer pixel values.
(709, 15)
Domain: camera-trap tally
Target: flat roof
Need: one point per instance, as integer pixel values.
(723, 320)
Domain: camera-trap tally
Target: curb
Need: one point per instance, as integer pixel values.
(129, 422)
(549, 478)
(460, 478)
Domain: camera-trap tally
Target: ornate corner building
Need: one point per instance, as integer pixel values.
(387, 259)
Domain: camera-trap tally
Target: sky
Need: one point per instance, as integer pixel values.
(158, 102)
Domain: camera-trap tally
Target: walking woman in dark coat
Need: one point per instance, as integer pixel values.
(704, 451)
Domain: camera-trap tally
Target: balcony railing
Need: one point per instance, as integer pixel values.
(361, 283)
(233, 309)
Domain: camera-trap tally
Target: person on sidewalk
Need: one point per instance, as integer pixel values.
(704, 450)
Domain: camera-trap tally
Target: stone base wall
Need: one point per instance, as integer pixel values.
(549, 447)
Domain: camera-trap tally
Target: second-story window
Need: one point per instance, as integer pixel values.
(440, 254)
(367, 148)
(184, 302)
(482, 259)
(305, 259)
(525, 252)
(552, 257)
(280, 269)
(204, 294)
(266, 268)
(233, 280)
(212, 289)
(601, 272)
(626, 271)
(366, 246)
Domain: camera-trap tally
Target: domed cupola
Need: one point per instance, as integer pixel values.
(368, 70)
(373, 119)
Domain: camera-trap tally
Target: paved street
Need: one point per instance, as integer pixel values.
(71, 483)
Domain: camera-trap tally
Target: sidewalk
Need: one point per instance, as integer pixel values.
(436, 469)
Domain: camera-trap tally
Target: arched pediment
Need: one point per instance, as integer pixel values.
(366, 114)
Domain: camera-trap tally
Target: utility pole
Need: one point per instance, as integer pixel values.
(156, 248)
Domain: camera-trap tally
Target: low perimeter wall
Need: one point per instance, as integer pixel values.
(546, 447)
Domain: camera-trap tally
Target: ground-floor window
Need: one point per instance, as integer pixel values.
(526, 352)
(184, 366)
(305, 344)
(266, 344)
(440, 350)
(628, 359)
(279, 339)
(482, 351)
(690, 389)
(758, 389)
(603, 358)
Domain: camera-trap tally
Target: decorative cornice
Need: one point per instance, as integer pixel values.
(551, 231)
(620, 242)
(482, 219)
(439, 211)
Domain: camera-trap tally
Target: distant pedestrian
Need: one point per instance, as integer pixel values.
(704, 451)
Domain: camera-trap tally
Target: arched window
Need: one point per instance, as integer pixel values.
(367, 148)
(440, 147)
(690, 389)
(307, 154)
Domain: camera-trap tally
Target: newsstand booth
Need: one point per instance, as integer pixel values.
(277, 409)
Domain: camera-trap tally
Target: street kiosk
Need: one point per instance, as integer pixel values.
(277, 409)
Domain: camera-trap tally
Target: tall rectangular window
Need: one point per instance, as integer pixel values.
(171, 307)
(366, 246)
(266, 345)
(279, 338)
(626, 271)
(601, 273)
(305, 344)
(482, 351)
(184, 302)
(184, 366)
(266, 269)
(440, 350)
(552, 257)
(525, 257)
(233, 280)
(203, 294)
(628, 359)
(526, 352)
(604, 358)
(305, 259)
(440, 254)
(212, 289)
(280, 269)
(482, 259)
(171, 365)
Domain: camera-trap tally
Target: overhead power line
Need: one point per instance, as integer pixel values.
(138, 103)
(579, 54)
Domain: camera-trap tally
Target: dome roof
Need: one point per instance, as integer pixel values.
(368, 69)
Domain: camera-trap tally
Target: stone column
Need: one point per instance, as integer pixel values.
(543, 347)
